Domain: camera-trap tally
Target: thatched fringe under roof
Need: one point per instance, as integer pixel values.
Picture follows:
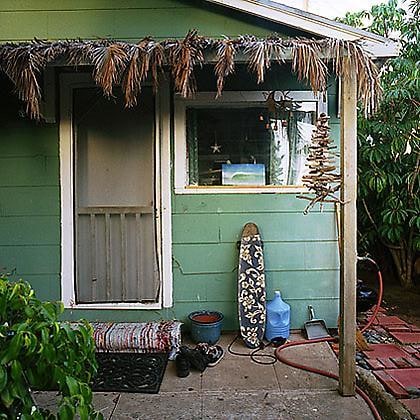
(128, 64)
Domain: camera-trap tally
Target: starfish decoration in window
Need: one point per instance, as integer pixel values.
(216, 148)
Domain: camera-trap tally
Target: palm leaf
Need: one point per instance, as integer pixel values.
(359, 62)
(184, 55)
(225, 65)
(157, 58)
(261, 53)
(308, 64)
(136, 73)
(109, 62)
(23, 65)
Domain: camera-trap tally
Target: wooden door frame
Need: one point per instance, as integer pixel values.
(68, 82)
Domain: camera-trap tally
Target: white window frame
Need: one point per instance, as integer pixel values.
(228, 98)
(68, 82)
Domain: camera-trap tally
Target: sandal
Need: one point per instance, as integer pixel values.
(213, 353)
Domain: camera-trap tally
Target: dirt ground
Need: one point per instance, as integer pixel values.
(398, 301)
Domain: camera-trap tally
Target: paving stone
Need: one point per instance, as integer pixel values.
(413, 328)
(315, 355)
(410, 349)
(46, 399)
(384, 351)
(292, 378)
(387, 362)
(406, 338)
(413, 406)
(239, 373)
(406, 377)
(171, 382)
(401, 362)
(276, 405)
(103, 402)
(381, 330)
(390, 384)
(413, 361)
(375, 364)
(165, 406)
(390, 320)
(398, 328)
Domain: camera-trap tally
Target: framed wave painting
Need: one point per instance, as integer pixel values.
(243, 174)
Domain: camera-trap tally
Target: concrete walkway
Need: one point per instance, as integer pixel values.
(238, 388)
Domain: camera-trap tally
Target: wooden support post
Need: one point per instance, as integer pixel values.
(348, 227)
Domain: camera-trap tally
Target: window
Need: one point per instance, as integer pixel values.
(245, 140)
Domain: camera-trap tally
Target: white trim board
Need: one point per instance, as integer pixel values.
(237, 98)
(163, 199)
(376, 45)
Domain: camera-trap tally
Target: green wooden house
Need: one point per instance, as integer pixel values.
(134, 213)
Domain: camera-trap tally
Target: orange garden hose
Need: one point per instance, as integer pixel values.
(283, 359)
(380, 292)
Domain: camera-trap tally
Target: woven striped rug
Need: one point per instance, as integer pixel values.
(135, 337)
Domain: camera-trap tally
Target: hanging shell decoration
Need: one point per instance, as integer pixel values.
(322, 180)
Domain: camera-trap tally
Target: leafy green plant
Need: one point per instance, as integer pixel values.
(389, 148)
(38, 352)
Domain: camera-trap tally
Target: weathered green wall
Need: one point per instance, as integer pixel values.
(29, 198)
(301, 254)
(301, 251)
(124, 19)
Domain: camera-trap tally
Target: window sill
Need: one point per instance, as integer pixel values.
(115, 305)
(225, 189)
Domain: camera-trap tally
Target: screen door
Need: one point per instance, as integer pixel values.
(116, 259)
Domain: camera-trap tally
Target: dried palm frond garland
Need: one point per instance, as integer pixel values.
(308, 64)
(322, 180)
(261, 53)
(129, 64)
(368, 86)
(108, 63)
(225, 64)
(184, 55)
(143, 57)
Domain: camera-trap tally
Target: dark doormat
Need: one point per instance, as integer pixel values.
(130, 372)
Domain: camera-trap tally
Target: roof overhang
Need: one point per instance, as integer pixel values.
(375, 45)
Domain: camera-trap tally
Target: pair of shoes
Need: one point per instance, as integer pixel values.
(213, 353)
(196, 359)
(182, 366)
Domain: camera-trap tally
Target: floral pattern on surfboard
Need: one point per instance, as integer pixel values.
(251, 289)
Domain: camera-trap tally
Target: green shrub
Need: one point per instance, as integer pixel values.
(389, 145)
(38, 352)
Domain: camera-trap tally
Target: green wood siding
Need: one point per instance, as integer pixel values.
(301, 256)
(300, 251)
(29, 199)
(124, 19)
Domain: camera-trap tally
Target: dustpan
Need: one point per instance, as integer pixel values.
(315, 328)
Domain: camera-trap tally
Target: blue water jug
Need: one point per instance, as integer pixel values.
(278, 318)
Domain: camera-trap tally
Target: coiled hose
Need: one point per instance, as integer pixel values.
(359, 391)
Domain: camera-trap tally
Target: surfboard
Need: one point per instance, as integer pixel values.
(251, 287)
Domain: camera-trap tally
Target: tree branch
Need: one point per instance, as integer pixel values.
(388, 245)
(415, 176)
